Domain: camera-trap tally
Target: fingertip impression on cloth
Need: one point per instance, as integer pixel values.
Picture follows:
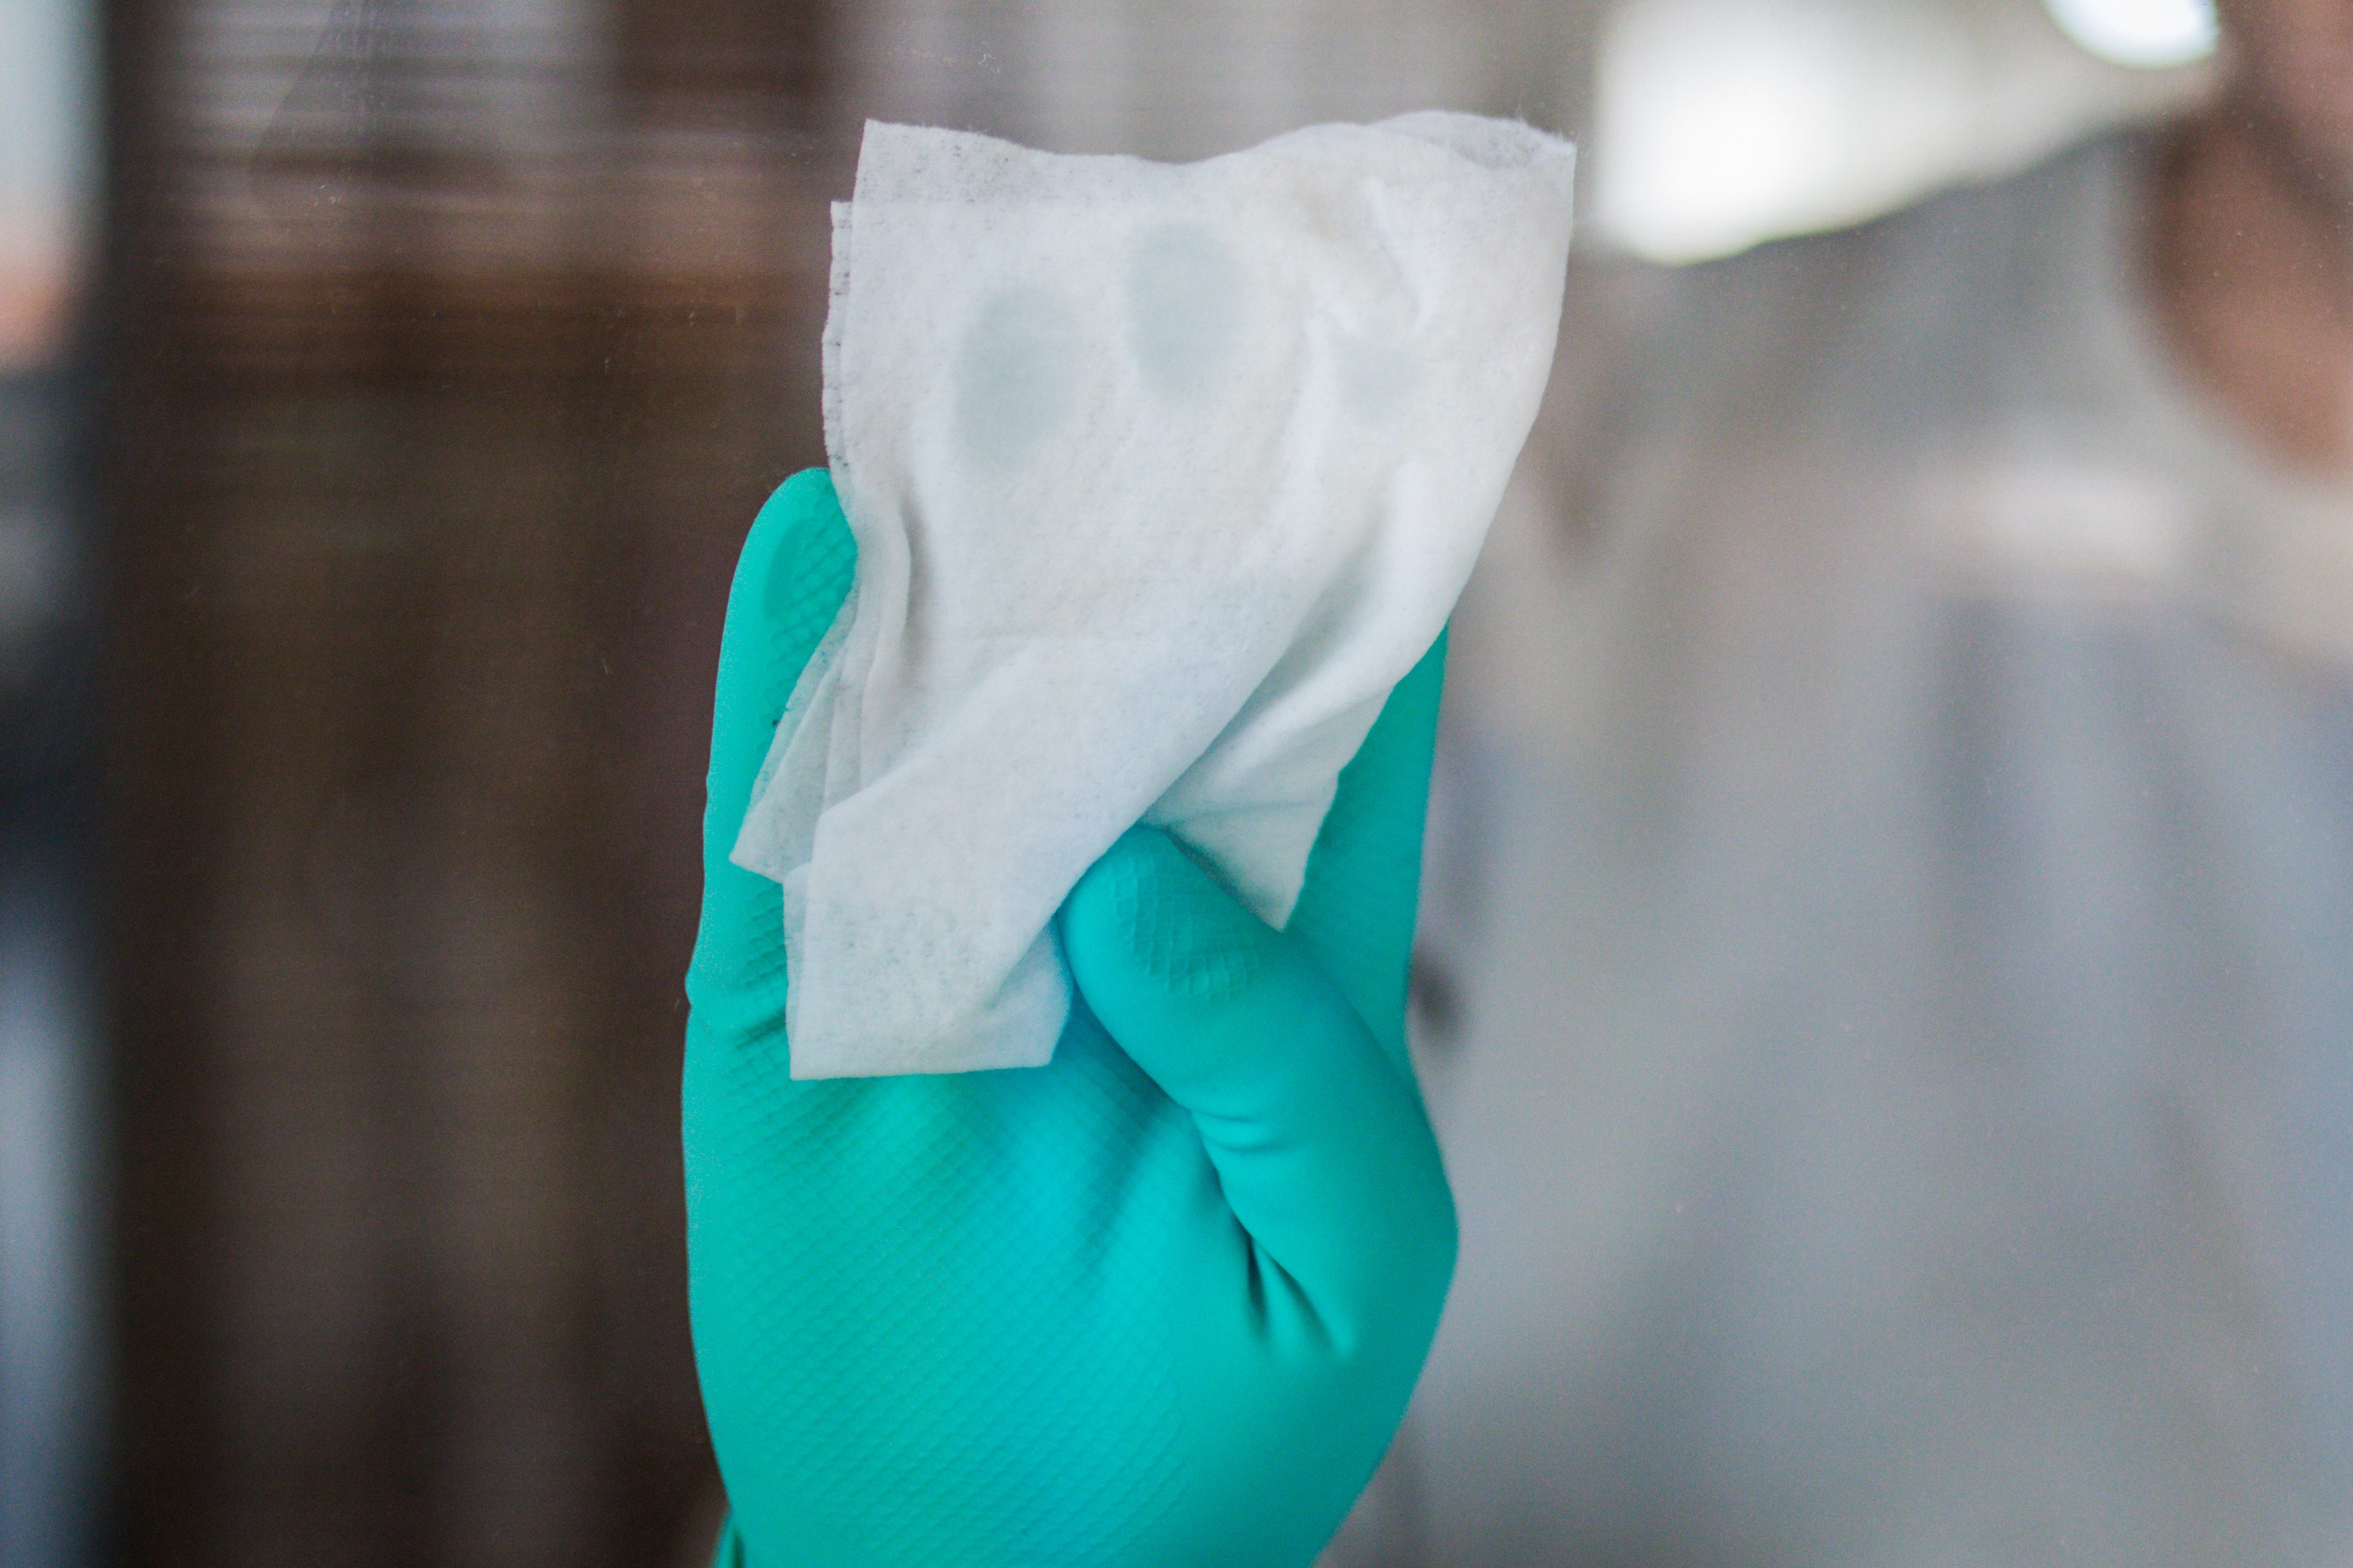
(1164, 477)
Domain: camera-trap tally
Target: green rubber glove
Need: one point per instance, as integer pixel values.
(1159, 1303)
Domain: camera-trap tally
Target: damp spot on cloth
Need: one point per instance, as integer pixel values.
(1376, 374)
(1185, 293)
(1015, 375)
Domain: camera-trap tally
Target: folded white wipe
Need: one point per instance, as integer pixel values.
(1161, 477)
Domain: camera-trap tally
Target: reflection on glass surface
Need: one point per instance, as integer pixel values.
(1721, 122)
(2149, 33)
(1928, 619)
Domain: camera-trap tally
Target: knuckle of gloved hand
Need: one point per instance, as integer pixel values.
(1185, 933)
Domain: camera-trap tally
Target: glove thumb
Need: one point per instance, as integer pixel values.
(1317, 1136)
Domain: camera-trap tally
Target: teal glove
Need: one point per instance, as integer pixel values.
(1159, 1303)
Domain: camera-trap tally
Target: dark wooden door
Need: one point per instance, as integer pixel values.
(448, 352)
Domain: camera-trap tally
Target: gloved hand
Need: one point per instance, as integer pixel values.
(1160, 1302)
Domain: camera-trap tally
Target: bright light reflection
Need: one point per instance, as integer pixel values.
(1724, 122)
(2151, 34)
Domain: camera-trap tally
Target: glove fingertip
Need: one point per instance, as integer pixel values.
(794, 569)
(790, 577)
(801, 542)
(796, 564)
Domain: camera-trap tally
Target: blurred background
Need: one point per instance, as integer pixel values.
(385, 388)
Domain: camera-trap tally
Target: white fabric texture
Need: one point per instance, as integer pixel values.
(1161, 477)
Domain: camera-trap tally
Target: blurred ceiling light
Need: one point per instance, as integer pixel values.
(1721, 122)
(2150, 34)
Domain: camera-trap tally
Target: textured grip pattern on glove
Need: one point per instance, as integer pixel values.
(926, 1164)
(914, 1173)
(1164, 921)
(937, 1319)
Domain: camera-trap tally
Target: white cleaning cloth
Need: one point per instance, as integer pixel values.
(1161, 476)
